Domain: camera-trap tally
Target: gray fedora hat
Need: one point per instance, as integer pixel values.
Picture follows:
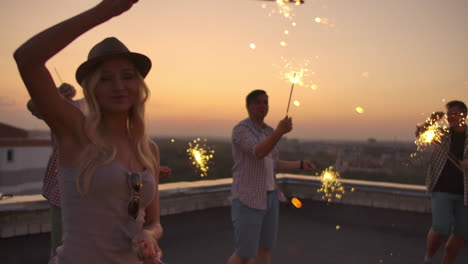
(109, 48)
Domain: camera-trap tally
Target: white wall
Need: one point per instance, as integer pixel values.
(24, 158)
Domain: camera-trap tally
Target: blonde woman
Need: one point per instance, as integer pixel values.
(108, 166)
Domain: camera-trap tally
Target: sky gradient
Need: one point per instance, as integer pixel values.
(397, 59)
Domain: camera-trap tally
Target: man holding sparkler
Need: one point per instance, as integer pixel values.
(447, 181)
(255, 196)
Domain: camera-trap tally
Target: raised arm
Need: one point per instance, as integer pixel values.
(266, 146)
(66, 90)
(31, 58)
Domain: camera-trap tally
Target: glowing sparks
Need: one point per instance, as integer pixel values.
(338, 227)
(331, 186)
(286, 32)
(432, 134)
(297, 103)
(172, 140)
(283, 43)
(252, 45)
(359, 110)
(296, 73)
(314, 87)
(296, 202)
(318, 19)
(201, 155)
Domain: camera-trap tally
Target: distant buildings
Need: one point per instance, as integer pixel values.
(23, 160)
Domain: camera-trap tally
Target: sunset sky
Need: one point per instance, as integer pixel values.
(398, 60)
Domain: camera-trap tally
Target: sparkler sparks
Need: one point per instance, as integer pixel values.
(359, 110)
(283, 7)
(252, 45)
(201, 155)
(331, 187)
(294, 72)
(433, 134)
(297, 103)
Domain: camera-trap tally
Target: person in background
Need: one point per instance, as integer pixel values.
(448, 185)
(255, 194)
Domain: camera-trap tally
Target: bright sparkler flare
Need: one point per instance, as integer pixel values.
(252, 45)
(296, 202)
(359, 110)
(433, 134)
(297, 103)
(331, 187)
(296, 73)
(283, 43)
(201, 155)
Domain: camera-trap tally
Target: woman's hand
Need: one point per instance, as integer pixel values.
(146, 247)
(117, 7)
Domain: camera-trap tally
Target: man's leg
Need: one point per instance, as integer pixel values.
(269, 234)
(460, 231)
(247, 224)
(234, 259)
(453, 246)
(433, 243)
(263, 256)
(442, 220)
(56, 229)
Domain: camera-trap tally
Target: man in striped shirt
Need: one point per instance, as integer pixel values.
(255, 197)
(447, 182)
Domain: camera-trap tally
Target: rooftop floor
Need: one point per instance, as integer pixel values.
(307, 235)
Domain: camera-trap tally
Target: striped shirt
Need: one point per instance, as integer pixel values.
(438, 161)
(249, 173)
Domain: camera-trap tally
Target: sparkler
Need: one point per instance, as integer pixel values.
(201, 155)
(331, 186)
(295, 73)
(58, 75)
(293, 80)
(433, 135)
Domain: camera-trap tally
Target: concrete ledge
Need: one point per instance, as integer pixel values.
(23, 215)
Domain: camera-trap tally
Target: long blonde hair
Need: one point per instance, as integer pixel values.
(98, 152)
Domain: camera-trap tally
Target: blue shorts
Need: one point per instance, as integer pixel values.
(254, 228)
(449, 215)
